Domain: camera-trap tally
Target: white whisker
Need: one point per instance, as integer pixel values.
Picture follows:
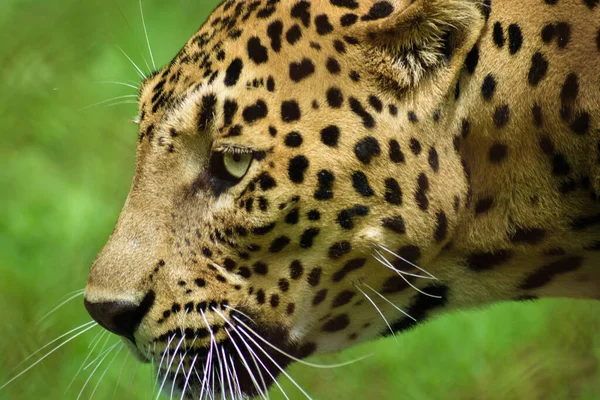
(106, 370)
(407, 261)
(102, 352)
(126, 96)
(279, 367)
(121, 374)
(322, 366)
(95, 369)
(95, 341)
(380, 257)
(379, 311)
(139, 71)
(263, 390)
(408, 282)
(146, 34)
(129, 85)
(93, 324)
(175, 352)
(49, 313)
(187, 377)
(389, 302)
(162, 359)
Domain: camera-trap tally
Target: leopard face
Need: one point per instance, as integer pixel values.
(299, 188)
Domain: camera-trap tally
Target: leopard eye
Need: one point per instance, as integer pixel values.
(237, 165)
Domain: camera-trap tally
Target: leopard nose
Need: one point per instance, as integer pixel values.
(120, 317)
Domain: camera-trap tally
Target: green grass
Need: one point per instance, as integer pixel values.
(66, 171)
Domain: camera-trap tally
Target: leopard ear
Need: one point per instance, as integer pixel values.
(412, 43)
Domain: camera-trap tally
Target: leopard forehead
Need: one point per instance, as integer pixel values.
(384, 138)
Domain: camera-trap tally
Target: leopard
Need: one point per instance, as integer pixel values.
(314, 174)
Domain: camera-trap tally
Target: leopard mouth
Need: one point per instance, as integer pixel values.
(235, 361)
(232, 369)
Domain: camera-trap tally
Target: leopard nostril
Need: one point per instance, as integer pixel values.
(120, 317)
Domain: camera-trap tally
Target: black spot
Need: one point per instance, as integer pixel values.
(275, 31)
(279, 244)
(395, 224)
(560, 166)
(548, 272)
(255, 112)
(351, 4)
(395, 153)
(339, 249)
(260, 268)
(483, 205)
(498, 152)
(422, 304)
(486, 261)
(270, 84)
(290, 111)
(301, 10)
(515, 38)
(563, 31)
(434, 161)
(313, 215)
(488, 88)
(366, 149)
(207, 111)
(393, 110)
(376, 103)
(335, 98)
(319, 297)
(297, 167)
(343, 298)
(230, 108)
(200, 282)
(293, 34)
(379, 10)
(263, 230)
(528, 235)
(441, 227)
(539, 67)
(283, 285)
(548, 33)
(348, 20)
(536, 111)
(570, 88)
(260, 296)
(293, 139)
(323, 25)
(581, 123)
(333, 66)
(330, 136)
(256, 51)
(421, 193)
(308, 236)
(415, 146)
(585, 222)
(412, 117)
(355, 76)
(498, 35)
(296, 270)
(339, 46)
(324, 190)
(232, 75)
(301, 70)
(393, 193)
(465, 128)
(314, 277)
(292, 217)
(266, 181)
(346, 217)
(591, 3)
(336, 324)
(501, 116)
(358, 109)
(472, 59)
(350, 266)
(361, 184)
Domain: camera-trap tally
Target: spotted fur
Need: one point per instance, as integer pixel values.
(392, 141)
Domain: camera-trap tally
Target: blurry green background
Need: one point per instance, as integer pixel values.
(65, 171)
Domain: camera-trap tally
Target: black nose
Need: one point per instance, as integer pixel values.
(120, 317)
